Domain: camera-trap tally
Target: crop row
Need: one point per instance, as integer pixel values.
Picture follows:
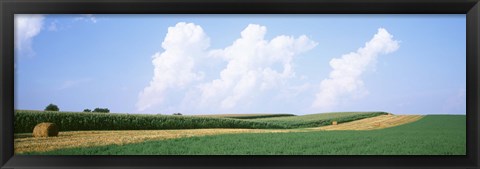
(248, 116)
(25, 121)
(321, 119)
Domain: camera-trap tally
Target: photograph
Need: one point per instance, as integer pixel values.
(240, 84)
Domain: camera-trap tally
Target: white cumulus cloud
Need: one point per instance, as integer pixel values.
(26, 27)
(346, 77)
(174, 67)
(254, 64)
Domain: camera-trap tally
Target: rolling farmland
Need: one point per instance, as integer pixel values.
(246, 116)
(25, 121)
(321, 119)
(431, 135)
(378, 122)
(26, 143)
(359, 133)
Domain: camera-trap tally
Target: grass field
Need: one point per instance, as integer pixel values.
(431, 135)
(321, 119)
(246, 116)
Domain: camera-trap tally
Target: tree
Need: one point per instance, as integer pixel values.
(101, 110)
(178, 114)
(87, 110)
(52, 107)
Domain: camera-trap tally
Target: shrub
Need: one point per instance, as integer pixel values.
(52, 107)
(101, 110)
(178, 114)
(87, 110)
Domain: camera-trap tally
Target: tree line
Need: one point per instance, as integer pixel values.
(53, 107)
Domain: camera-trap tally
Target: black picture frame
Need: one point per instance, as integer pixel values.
(10, 7)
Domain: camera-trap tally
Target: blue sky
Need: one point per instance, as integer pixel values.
(208, 64)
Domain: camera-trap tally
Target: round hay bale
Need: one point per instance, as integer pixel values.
(334, 122)
(45, 130)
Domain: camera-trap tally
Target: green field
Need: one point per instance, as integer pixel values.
(25, 121)
(246, 116)
(431, 135)
(321, 119)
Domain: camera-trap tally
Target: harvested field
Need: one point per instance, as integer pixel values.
(379, 122)
(318, 120)
(27, 143)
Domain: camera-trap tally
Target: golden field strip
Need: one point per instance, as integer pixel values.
(379, 122)
(72, 139)
(26, 143)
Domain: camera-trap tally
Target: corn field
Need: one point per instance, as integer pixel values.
(25, 121)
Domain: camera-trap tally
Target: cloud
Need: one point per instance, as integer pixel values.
(87, 18)
(345, 80)
(174, 67)
(253, 65)
(27, 26)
